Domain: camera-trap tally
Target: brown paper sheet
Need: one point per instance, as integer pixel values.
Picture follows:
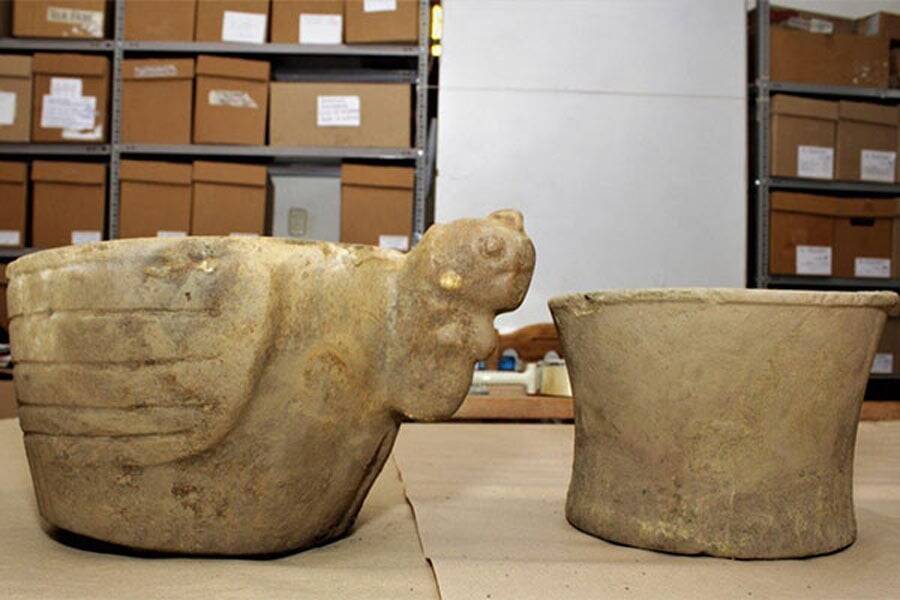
(382, 558)
(489, 502)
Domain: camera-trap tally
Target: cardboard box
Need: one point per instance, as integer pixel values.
(15, 98)
(155, 199)
(245, 21)
(229, 199)
(306, 202)
(887, 357)
(59, 18)
(895, 68)
(866, 142)
(801, 239)
(71, 93)
(340, 114)
(377, 205)
(231, 102)
(13, 204)
(160, 20)
(68, 203)
(803, 137)
(836, 59)
(307, 21)
(157, 98)
(4, 310)
(382, 21)
(7, 397)
(881, 24)
(863, 237)
(810, 21)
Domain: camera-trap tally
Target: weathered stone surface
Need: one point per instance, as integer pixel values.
(239, 396)
(718, 422)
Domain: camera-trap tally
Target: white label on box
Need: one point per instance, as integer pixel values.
(883, 363)
(877, 165)
(7, 108)
(395, 242)
(86, 237)
(232, 98)
(89, 22)
(338, 111)
(379, 5)
(871, 267)
(10, 237)
(155, 71)
(813, 260)
(243, 234)
(66, 87)
(163, 233)
(815, 161)
(320, 29)
(85, 135)
(244, 27)
(61, 112)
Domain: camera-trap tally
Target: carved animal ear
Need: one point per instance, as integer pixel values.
(511, 218)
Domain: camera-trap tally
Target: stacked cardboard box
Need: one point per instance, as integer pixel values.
(70, 98)
(340, 114)
(231, 102)
(13, 204)
(307, 21)
(866, 142)
(377, 205)
(245, 21)
(382, 21)
(59, 18)
(15, 98)
(828, 236)
(157, 95)
(229, 199)
(68, 203)
(803, 137)
(155, 199)
(160, 20)
(4, 311)
(306, 202)
(887, 357)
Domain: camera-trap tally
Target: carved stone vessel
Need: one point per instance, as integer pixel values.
(239, 396)
(715, 421)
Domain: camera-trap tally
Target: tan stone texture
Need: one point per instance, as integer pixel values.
(718, 422)
(238, 395)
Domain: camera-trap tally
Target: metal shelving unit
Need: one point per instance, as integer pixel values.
(118, 47)
(762, 183)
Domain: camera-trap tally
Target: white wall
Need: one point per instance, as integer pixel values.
(618, 127)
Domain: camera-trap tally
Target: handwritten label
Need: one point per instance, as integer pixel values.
(338, 111)
(249, 28)
(164, 233)
(232, 98)
(815, 161)
(883, 363)
(813, 260)
(10, 237)
(7, 108)
(321, 29)
(871, 267)
(379, 5)
(877, 165)
(86, 237)
(68, 113)
(394, 242)
(66, 87)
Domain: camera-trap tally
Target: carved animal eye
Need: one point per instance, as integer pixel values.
(491, 246)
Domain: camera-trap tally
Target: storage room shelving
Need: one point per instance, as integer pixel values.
(118, 49)
(761, 183)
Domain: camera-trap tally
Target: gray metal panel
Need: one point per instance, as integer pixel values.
(828, 283)
(306, 206)
(61, 148)
(68, 45)
(833, 90)
(421, 198)
(271, 151)
(817, 185)
(290, 49)
(16, 252)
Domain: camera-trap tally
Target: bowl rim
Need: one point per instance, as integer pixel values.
(585, 300)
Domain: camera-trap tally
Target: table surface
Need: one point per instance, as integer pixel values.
(463, 511)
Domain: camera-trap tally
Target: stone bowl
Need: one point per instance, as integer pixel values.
(718, 421)
(239, 396)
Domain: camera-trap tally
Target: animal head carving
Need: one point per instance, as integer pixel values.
(464, 273)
